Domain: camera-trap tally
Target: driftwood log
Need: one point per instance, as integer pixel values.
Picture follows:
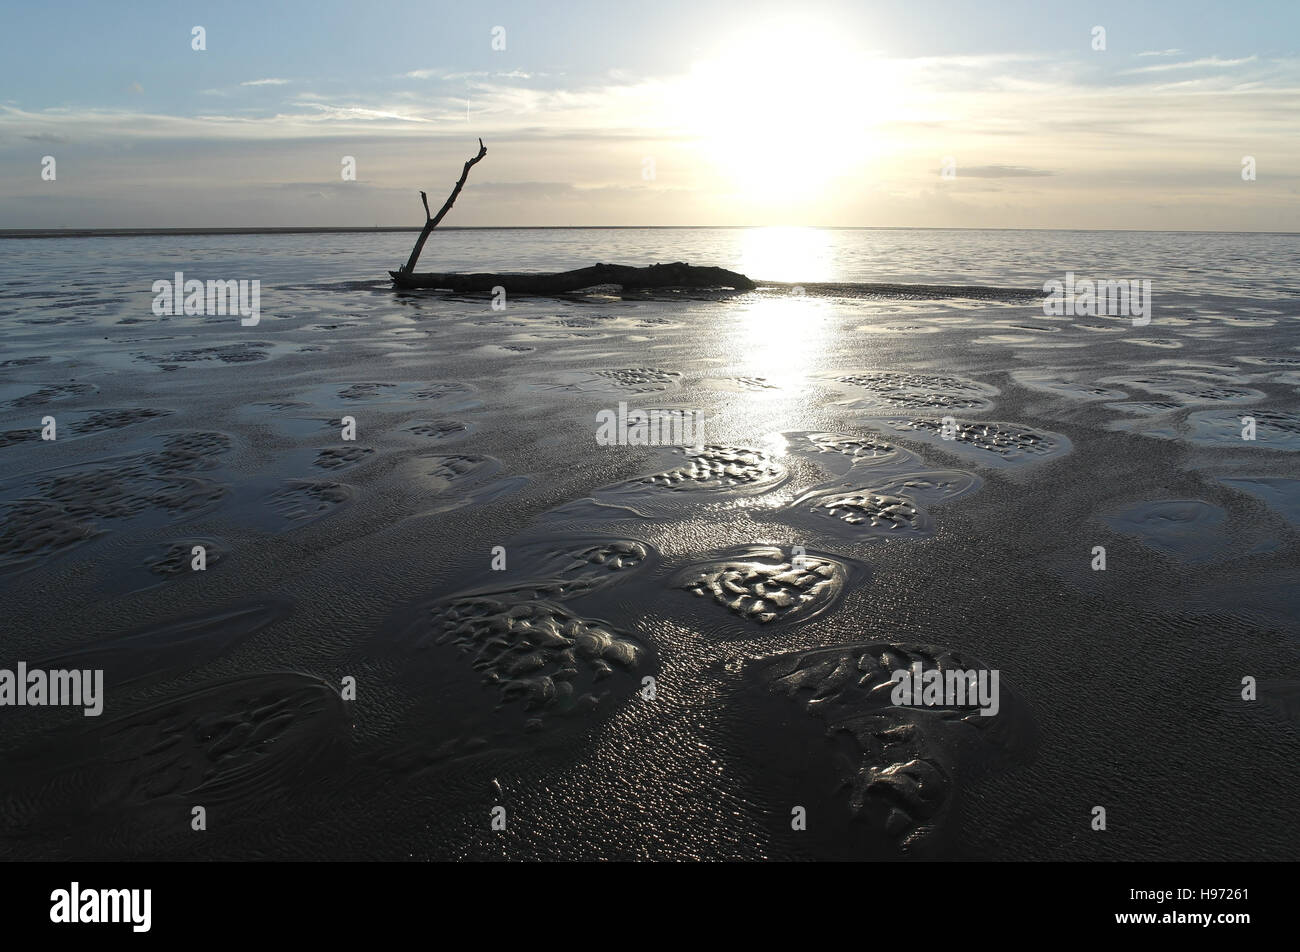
(656, 276)
(677, 275)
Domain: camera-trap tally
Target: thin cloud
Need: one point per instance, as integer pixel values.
(266, 82)
(1208, 62)
(1001, 171)
(476, 74)
(327, 112)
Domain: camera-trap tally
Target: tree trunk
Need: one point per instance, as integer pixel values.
(677, 275)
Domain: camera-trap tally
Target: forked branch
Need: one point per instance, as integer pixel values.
(430, 221)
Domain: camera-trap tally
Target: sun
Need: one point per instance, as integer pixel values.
(784, 108)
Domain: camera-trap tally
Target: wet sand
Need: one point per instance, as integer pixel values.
(525, 686)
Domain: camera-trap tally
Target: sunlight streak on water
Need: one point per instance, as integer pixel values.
(782, 340)
(787, 254)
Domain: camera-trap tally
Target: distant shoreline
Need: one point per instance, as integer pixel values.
(384, 229)
(163, 232)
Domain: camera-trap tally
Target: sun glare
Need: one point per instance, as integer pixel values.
(783, 109)
(787, 254)
(782, 340)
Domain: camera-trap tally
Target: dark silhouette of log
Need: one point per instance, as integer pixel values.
(430, 222)
(660, 276)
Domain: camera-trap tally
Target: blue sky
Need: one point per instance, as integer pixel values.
(663, 113)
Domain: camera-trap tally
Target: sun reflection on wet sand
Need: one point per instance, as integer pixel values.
(781, 339)
(787, 254)
(777, 343)
(781, 335)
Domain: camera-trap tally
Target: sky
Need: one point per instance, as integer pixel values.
(861, 113)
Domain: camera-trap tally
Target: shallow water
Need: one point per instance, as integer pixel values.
(885, 476)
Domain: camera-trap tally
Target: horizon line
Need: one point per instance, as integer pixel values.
(79, 232)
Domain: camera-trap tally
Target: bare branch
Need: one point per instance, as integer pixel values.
(431, 223)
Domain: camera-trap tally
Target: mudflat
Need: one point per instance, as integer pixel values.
(639, 650)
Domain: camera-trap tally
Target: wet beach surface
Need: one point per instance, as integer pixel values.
(824, 534)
